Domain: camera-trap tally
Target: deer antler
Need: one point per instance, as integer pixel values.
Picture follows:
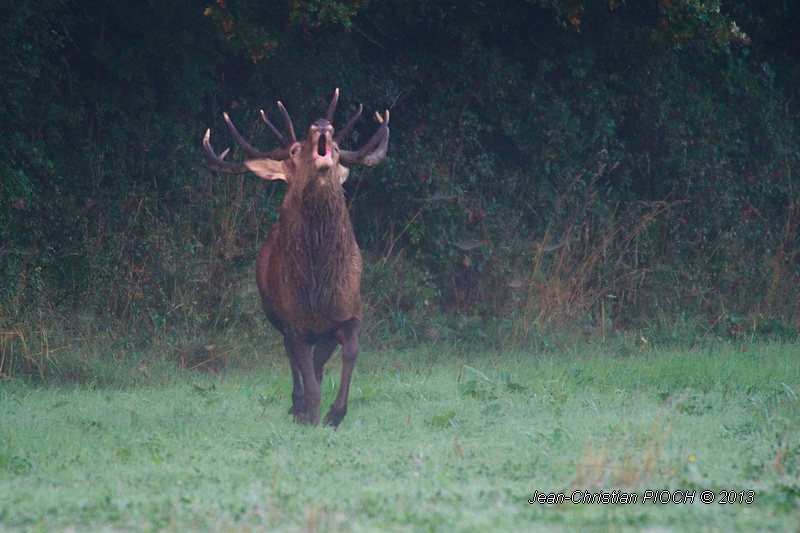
(347, 127)
(278, 153)
(218, 162)
(287, 121)
(332, 106)
(374, 151)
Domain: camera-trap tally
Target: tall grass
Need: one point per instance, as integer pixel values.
(26, 347)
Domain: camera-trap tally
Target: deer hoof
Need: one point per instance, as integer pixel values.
(303, 419)
(334, 417)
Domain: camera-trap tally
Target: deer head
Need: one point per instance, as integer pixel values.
(317, 156)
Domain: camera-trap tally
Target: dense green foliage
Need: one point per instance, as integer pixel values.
(611, 164)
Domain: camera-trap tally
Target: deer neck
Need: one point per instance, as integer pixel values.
(319, 241)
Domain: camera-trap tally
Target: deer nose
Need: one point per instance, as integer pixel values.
(323, 127)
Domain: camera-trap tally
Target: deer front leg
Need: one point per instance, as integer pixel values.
(301, 358)
(348, 338)
(298, 398)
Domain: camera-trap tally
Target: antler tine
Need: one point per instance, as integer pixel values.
(378, 154)
(283, 142)
(349, 126)
(332, 106)
(378, 137)
(287, 120)
(374, 151)
(249, 150)
(218, 162)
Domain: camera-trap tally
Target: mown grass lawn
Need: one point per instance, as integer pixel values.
(435, 440)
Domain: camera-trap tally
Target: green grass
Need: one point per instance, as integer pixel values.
(435, 440)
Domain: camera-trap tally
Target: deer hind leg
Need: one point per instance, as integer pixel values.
(348, 338)
(322, 353)
(305, 389)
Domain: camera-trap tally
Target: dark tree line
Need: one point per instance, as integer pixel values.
(551, 160)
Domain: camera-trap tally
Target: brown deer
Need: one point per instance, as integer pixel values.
(309, 270)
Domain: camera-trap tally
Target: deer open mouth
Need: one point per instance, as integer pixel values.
(323, 152)
(321, 140)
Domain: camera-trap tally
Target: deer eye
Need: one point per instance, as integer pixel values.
(295, 150)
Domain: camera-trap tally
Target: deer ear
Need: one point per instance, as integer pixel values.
(343, 173)
(267, 169)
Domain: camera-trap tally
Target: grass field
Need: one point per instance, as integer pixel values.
(435, 440)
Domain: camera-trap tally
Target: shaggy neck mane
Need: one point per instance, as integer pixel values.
(319, 242)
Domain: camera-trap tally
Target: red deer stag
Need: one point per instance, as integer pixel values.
(309, 270)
